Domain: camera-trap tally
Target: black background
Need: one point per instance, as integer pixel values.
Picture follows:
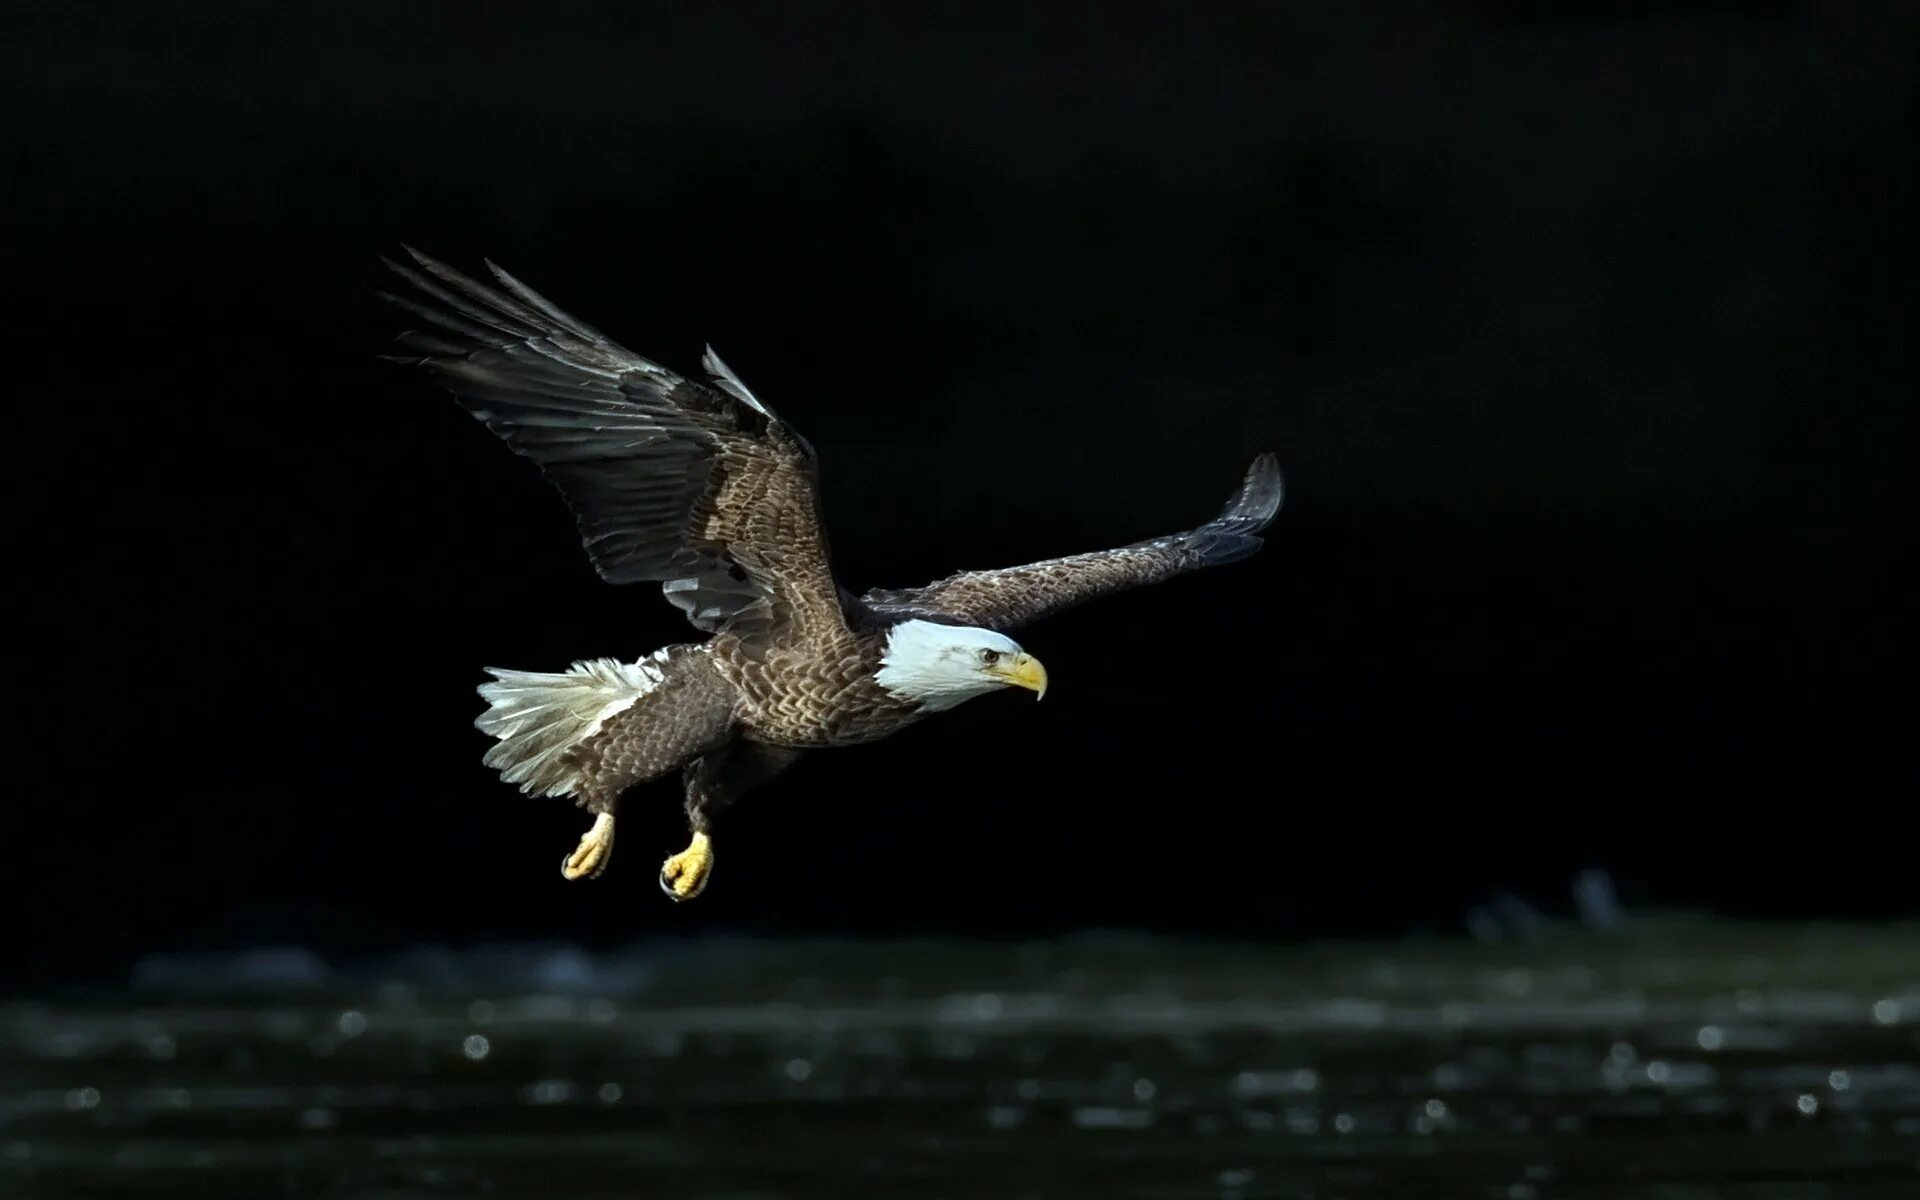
(1584, 341)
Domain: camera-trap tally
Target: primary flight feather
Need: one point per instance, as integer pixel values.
(700, 487)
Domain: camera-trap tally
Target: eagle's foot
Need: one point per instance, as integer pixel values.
(684, 875)
(590, 857)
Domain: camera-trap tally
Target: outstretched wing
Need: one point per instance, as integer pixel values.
(1015, 596)
(701, 488)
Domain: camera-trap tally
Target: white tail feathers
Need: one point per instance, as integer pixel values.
(538, 717)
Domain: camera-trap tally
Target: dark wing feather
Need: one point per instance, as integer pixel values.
(700, 488)
(1015, 596)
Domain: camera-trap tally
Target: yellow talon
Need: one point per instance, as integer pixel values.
(685, 874)
(590, 857)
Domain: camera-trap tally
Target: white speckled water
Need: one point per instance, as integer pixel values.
(1679, 1059)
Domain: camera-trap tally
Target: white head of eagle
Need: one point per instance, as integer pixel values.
(939, 666)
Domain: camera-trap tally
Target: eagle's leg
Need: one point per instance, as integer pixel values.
(595, 850)
(684, 875)
(713, 781)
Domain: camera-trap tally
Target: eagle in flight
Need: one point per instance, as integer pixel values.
(700, 487)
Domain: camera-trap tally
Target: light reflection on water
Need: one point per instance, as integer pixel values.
(1675, 1058)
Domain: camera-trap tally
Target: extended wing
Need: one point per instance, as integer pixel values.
(1015, 596)
(701, 488)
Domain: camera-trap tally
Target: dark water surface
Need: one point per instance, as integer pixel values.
(1671, 1059)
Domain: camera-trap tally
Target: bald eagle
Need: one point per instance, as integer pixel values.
(700, 487)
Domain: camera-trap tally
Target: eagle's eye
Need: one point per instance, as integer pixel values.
(989, 657)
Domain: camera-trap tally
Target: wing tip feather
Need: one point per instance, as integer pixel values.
(1261, 493)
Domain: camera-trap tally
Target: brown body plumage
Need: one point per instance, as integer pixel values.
(700, 487)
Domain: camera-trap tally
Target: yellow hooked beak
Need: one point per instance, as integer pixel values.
(1023, 670)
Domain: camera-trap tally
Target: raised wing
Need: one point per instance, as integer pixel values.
(701, 488)
(1015, 596)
